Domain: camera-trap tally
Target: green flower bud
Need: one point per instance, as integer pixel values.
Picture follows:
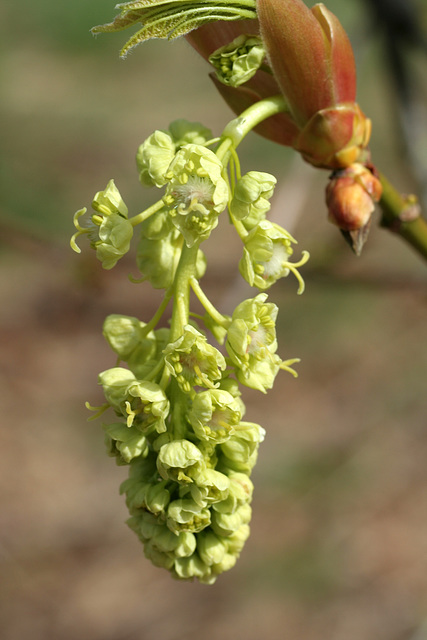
(184, 132)
(125, 334)
(240, 450)
(153, 158)
(225, 524)
(210, 486)
(238, 61)
(210, 547)
(186, 544)
(231, 386)
(266, 255)
(240, 491)
(157, 261)
(251, 343)
(187, 515)
(115, 383)
(144, 524)
(227, 563)
(193, 567)
(158, 558)
(162, 539)
(196, 192)
(157, 498)
(159, 250)
(176, 459)
(142, 475)
(214, 414)
(128, 442)
(236, 541)
(148, 353)
(135, 495)
(251, 196)
(192, 361)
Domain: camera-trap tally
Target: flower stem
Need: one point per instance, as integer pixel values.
(140, 217)
(207, 304)
(402, 215)
(157, 316)
(181, 290)
(238, 128)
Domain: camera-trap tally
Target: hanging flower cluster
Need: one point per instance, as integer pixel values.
(288, 73)
(176, 397)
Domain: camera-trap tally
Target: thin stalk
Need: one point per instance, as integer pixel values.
(157, 316)
(238, 128)
(181, 290)
(140, 217)
(207, 304)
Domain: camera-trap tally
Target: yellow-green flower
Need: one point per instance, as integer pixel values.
(156, 153)
(214, 414)
(237, 62)
(266, 255)
(239, 452)
(141, 402)
(187, 515)
(251, 342)
(193, 361)
(196, 192)
(178, 459)
(251, 197)
(109, 230)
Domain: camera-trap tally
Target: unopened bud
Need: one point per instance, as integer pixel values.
(351, 195)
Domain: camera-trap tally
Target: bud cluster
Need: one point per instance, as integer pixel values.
(178, 414)
(189, 451)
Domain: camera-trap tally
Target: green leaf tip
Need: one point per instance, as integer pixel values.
(169, 19)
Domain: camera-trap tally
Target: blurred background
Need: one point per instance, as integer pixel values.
(339, 532)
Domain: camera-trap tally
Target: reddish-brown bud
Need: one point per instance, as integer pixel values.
(310, 54)
(350, 197)
(335, 138)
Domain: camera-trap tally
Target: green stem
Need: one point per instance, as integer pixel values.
(160, 311)
(240, 228)
(238, 128)
(178, 425)
(181, 290)
(402, 216)
(147, 213)
(207, 304)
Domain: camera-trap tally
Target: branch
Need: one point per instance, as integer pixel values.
(402, 215)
